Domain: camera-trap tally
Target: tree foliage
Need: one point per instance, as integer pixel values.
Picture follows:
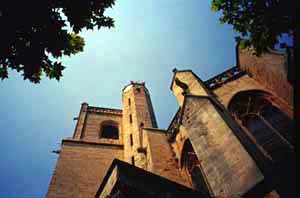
(34, 34)
(260, 23)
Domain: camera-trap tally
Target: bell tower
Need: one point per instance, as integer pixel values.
(137, 114)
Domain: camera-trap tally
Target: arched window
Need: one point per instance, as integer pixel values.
(109, 130)
(191, 167)
(258, 113)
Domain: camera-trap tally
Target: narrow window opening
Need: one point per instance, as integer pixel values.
(130, 118)
(141, 134)
(132, 161)
(131, 140)
(129, 101)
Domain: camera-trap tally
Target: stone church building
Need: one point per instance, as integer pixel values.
(231, 137)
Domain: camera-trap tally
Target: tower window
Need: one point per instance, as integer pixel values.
(131, 139)
(141, 125)
(109, 130)
(129, 101)
(141, 133)
(130, 118)
(138, 89)
(132, 161)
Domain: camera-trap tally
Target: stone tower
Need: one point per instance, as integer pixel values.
(137, 114)
(85, 158)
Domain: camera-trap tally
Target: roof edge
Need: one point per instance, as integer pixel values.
(155, 129)
(177, 71)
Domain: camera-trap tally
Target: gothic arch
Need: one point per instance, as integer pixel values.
(278, 102)
(191, 168)
(261, 116)
(109, 129)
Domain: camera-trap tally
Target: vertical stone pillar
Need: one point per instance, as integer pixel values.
(137, 113)
(80, 121)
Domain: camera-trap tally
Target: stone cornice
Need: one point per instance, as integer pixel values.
(85, 142)
(155, 129)
(104, 110)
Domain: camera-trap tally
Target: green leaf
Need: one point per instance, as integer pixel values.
(39, 33)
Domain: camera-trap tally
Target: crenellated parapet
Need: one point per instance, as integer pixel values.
(104, 110)
(226, 76)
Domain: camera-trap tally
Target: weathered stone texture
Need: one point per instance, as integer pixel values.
(225, 93)
(81, 120)
(227, 166)
(137, 113)
(228, 90)
(80, 169)
(110, 184)
(191, 81)
(270, 70)
(177, 145)
(160, 157)
(92, 127)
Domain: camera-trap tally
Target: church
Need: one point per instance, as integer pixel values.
(231, 137)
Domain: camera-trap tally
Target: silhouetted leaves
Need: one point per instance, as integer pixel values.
(260, 23)
(35, 33)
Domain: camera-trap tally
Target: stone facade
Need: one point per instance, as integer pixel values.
(270, 70)
(208, 148)
(160, 159)
(80, 168)
(228, 168)
(86, 151)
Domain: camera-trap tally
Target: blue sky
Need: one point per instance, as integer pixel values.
(149, 40)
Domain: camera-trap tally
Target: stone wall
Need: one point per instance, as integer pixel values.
(225, 93)
(160, 157)
(227, 166)
(270, 70)
(137, 113)
(80, 168)
(92, 127)
(177, 145)
(191, 80)
(80, 121)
